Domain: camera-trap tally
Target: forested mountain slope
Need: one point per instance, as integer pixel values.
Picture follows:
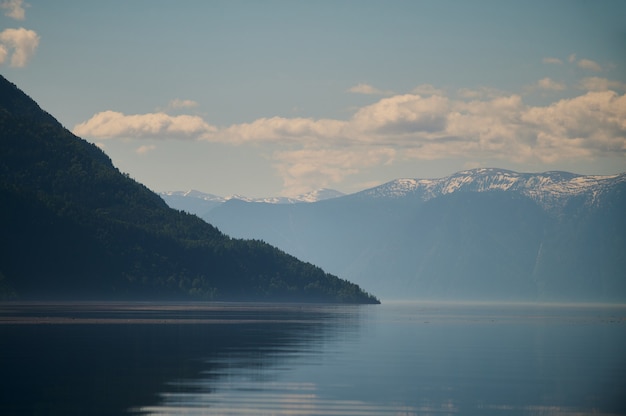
(73, 226)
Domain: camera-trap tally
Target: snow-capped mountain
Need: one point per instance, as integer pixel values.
(476, 234)
(200, 203)
(192, 201)
(549, 189)
(319, 195)
(313, 196)
(192, 193)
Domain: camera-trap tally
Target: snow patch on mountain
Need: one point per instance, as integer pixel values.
(552, 190)
(549, 189)
(192, 193)
(314, 196)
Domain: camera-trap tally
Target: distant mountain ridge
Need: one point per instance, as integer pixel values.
(478, 234)
(74, 227)
(201, 203)
(550, 189)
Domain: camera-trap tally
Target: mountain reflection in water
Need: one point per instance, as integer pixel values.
(236, 359)
(94, 358)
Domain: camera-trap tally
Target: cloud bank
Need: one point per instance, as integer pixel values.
(601, 84)
(113, 124)
(312, 153)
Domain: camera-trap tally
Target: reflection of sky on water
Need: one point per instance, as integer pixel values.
(103, 358)
(271, 398)
(434, 360)
(392, 359)
(277, 398)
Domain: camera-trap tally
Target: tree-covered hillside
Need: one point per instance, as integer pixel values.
(73, 226)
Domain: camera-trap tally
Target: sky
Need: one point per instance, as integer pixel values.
(267, 98)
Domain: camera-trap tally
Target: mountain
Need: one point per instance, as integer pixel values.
(192, 201)
(73, 226)
(199, 203)
(482, 234)
(551, 190)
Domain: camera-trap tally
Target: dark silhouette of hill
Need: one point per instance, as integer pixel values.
(75, 227)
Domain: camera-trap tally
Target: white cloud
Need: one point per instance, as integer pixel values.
(549, 60)
(14, 9)
(22, 41)
(112, 124)
(400, 115)
(590, 65)
(306, 169)
(368, 90)
(480, 93)
(280, 129)
(593, 124)
(481, 128)
(312, 153)
(504, 128)
(3, 53)
(586, 64)
(145, 149)
(178, 103)
(601, 84)
(550, 84)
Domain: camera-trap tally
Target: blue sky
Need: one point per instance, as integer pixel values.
(265, 98)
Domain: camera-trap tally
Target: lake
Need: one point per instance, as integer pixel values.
(412, 358)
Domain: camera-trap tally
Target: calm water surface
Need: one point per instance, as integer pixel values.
(250, 359)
